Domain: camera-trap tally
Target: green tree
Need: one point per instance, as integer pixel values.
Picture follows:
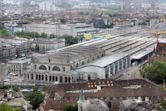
(37, 48)
(163, 104)
(71, 108)
(16, 89)
(5, 107)
(155, 71)
(70, 40)
(45, 88)
(43, 35)
(35, 98)
(4, 32)
(63, 20)
(52, 36)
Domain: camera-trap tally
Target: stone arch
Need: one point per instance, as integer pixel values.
(56, 68)
(42, 67)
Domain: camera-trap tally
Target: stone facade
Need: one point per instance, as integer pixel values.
(19, 66)
(56, 67)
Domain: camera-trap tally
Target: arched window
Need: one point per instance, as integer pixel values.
(89, 77)
(42, 67)
(39, 77)
(77, 65)
(66, 79)
(56, 78)
(88, 61)
(46, 77)
(71, 67)
(61, 79)
(42, 77)
(69, 79)
(56, 68)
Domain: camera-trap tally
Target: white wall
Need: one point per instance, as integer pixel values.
(93, 69)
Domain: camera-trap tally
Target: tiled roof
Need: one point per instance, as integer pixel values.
(108, 88)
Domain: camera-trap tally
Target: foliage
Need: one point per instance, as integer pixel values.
(35, 98)
(84, 13)
(71, 108)
(4, 32)
(15, 88)
(155, 71)
(43, 35)
(163, 104)
(52, 36)
(4, 87)
(30, 35)
(111, 25)
(5, 107)
(63, 20)
(45, 88)
(69, 40)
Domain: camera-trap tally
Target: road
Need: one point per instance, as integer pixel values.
(132, 73)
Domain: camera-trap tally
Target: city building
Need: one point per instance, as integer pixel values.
(109, 59)
(136, 105)
(20, 103)
(104, 67)
(19, 66)
(160, 52)
(107, 90)
(22, 46)
(99, 23)
(44, 45)
(92, 105)
(60, 29)
(7, 52)
(57, 66)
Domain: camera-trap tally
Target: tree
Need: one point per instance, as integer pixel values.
(45, 88)
(4, 32)
(155, 71)
(16, 89)
(52, 36)
(5, 107)
(163, 104)
(43, 35)
(71, 108)
(63, 20)
(69, 40)
(37, 48)
(35, 98)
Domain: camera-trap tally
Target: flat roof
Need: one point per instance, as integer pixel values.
(162, 40)
(86, 30)
(107, 60)
(142, 53)
(20, 60)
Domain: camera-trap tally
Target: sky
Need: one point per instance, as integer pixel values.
(18, 1)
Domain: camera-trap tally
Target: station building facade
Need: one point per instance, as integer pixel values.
(57, 66)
